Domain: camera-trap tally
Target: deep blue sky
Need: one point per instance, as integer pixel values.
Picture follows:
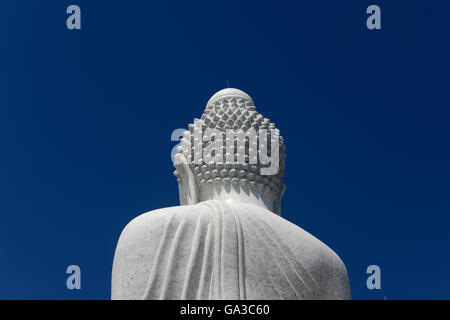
(86, 118)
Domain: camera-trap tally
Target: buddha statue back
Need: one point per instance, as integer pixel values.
(227, 239)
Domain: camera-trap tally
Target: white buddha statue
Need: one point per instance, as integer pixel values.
(227, 239)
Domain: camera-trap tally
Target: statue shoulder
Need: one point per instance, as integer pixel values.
(327, 267)
(136, 250)
(330, 271)
(146, 220)
(335, 282)
(148, 227)
(323, 264)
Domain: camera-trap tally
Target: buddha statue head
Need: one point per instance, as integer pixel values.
(232, 153)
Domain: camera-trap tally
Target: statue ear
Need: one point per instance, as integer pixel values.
(187, 185)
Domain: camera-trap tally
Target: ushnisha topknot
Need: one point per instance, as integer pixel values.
(233, 109)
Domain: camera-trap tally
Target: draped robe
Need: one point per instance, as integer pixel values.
(220, 250)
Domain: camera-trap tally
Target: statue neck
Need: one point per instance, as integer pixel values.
(236, 195)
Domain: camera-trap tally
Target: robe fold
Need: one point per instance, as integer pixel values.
(220, 250)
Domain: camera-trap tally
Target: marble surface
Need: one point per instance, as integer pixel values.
(220, 250)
